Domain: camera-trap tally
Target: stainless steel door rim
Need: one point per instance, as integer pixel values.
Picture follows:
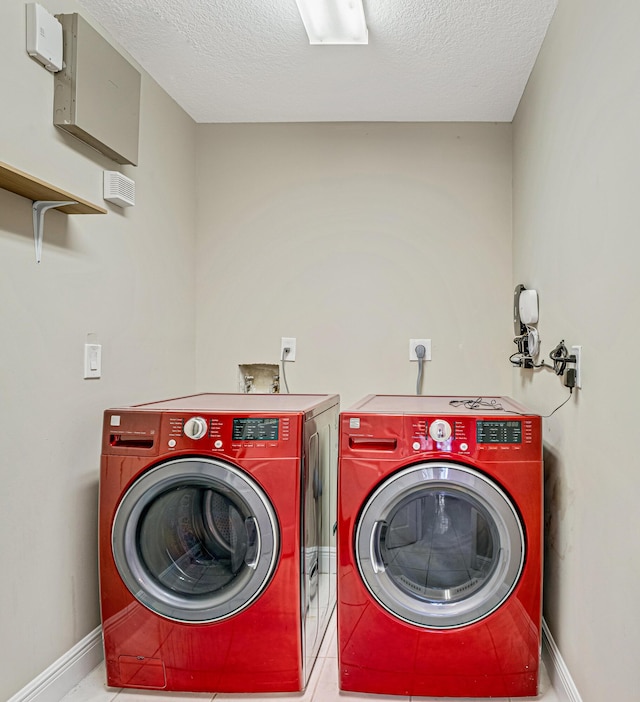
(439, 545)
(171, 557)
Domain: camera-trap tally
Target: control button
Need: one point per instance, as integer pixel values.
(195, 428)
(464, 447)
(172, 443)
(416, 445)
(218, 444)
(440, 430)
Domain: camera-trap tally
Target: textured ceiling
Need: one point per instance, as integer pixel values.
(250, 60)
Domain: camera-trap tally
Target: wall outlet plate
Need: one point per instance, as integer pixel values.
(412, 349)
(577, 352)
(288, 342)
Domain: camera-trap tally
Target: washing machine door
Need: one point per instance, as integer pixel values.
(195, 540)
(439, 545)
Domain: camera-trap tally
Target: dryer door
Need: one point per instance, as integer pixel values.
(439, 545)
(195, 540)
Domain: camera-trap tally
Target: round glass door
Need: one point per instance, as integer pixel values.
(195, 540)
(439, 545)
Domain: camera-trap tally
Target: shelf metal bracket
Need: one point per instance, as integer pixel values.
(39, 208)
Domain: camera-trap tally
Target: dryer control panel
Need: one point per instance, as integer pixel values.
(234, 435)
(480, 437)
(474, 436)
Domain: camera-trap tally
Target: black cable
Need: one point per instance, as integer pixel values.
(560, 357)
(546, 416)
(478, 403)
(495, 406)
(518, 359)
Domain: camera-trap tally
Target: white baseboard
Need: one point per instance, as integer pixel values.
(71, 668)
(328, 561)
(557, 670)
(63, 675)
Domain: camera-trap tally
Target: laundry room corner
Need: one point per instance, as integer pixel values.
(576, 177)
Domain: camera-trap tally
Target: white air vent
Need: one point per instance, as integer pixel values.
(119, 189)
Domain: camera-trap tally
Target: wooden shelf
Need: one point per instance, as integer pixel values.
(35, 189)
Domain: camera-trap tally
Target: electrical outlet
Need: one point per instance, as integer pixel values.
(288, 342)
(577, 352)
(413, 356)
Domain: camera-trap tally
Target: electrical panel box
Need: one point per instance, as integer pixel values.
(97, 93)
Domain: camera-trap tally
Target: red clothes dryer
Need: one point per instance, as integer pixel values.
(440, 547)
(216, 541)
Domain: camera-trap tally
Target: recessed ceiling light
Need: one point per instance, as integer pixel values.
(334, 21)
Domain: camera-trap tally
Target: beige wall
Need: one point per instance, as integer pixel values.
(354, 238)
(576, 184)
(127, 278)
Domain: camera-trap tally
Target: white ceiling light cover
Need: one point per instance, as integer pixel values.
(334, 21)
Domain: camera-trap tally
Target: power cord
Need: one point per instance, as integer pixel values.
(285, 352)
(559, 356)
(495, 406)
(421, 352)
(524, 361)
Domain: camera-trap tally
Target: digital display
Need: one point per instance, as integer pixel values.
(255, 429)
(499, 432)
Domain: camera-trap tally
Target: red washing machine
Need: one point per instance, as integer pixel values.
(216, 541)
(440, 547)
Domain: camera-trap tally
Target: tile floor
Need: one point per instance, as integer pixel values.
(322, 687)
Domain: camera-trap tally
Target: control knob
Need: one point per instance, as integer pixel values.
(440, 430)
(195, 428)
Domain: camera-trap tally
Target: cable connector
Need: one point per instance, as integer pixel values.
(560, 357)
(421, 351)
(570, 378)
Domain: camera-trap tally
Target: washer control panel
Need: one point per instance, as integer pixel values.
(237, 435)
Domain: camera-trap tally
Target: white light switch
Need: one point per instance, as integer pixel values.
(92, 360)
